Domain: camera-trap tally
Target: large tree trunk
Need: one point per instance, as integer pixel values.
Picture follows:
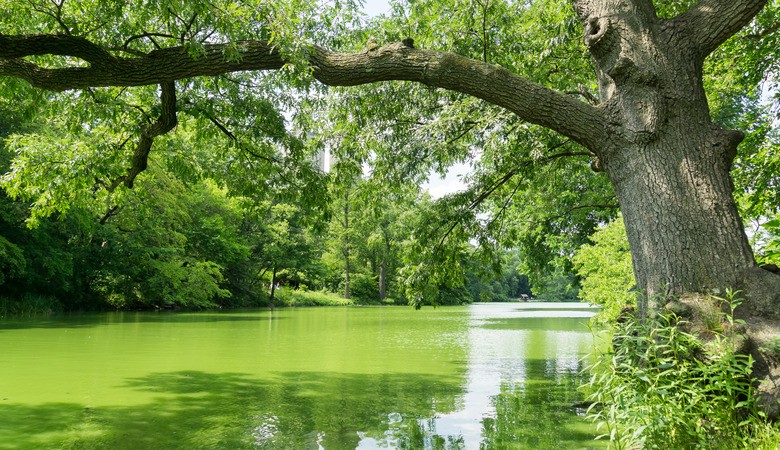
(669, 164)
(682, 222)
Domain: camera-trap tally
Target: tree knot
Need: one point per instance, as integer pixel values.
(371, 45)
(595, 29)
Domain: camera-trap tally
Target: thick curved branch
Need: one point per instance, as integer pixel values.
(532, 102)
(165, 123)
(168, 64)
(53, 44)
(710, 23)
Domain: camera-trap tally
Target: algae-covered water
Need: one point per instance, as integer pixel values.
(480, 376)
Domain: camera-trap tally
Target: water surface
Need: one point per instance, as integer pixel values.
(481, 376)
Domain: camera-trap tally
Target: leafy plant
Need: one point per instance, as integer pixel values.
(773, 345)
(28, 304)
(662, 387)
(289, 297)
(606, 271)
(364, 288)
(709, 315)
(770, 251)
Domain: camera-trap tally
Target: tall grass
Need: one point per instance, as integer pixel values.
(661, 387)
(288, 297)
(29, 304)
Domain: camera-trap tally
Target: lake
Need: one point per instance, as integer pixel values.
(479, 376)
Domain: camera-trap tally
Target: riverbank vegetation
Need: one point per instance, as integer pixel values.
(680, 377)
(665, 384)
(192, 246)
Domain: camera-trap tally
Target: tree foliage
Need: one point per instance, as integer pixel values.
(606, 271)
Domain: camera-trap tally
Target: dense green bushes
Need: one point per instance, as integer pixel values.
(606, 271)
(666, 383)
(291, 297)
(664, 387)
(29, 304)
(193, 236)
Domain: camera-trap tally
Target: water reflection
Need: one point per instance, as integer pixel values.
(485, 376)
(523, 371)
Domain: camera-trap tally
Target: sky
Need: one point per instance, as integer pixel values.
(436, 186)
(375, 7)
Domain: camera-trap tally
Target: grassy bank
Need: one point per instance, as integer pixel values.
(29, 304)
(284, 297)
(289, 297)
(663, 386)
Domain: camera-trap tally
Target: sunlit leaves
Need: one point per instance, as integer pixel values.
(769, 241)
(739, 76)
(59, 173)
(606, 270)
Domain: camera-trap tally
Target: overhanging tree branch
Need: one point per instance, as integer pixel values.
(532, 102)
(575, 208)
(165, 123)
(500, 182)
(765, 32)
(509, 175)
(53, 44)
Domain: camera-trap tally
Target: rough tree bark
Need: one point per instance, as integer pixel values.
(668, 162)
(651, 131)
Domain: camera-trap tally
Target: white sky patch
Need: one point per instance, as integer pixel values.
(376, 7)
(439, 187)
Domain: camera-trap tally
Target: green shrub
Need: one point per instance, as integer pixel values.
(319, 298)
(606, 270)
(769, 251)
(364, 288)
(288, 297)
(12, 261)
(29, 304)
(283, 296)
(773, 346)
(661, 387)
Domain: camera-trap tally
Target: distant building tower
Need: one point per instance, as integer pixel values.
(318, 160)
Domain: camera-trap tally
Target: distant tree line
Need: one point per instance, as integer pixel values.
(180, 240)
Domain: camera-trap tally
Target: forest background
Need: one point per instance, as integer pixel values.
(185, 240)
